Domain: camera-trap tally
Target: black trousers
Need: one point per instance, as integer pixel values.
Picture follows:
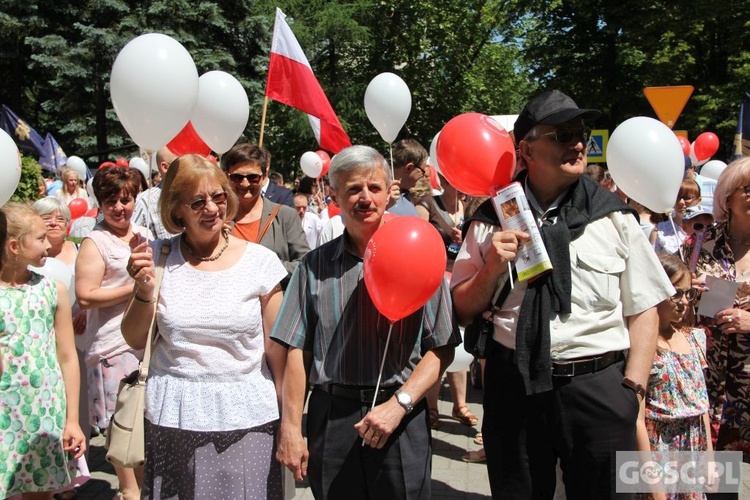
(341, 468)
(582, 422)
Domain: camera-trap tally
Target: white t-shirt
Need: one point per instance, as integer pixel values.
(208, 370)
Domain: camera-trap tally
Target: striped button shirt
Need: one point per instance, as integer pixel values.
(327, 311)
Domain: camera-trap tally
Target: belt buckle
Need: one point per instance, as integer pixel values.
(572, 372)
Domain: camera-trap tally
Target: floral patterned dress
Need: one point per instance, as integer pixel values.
(32, 392)
(676, 402)
(677, 398)
(728, 356)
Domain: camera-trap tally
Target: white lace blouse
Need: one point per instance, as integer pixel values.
(208, 370)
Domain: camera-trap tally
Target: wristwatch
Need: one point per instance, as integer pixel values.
(635, 387)
(404, 400)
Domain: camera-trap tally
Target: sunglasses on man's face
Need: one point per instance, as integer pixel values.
(250, 178)
(568, 135)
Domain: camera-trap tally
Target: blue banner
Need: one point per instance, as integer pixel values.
(54, 157)
(27, 139)
(742, 137)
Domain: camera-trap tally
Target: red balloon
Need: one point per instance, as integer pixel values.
(705, 146)
(326, 162)
(92, 212)
(400, 244)
(475, 154)
(685, 144)
(77, 207)
(122, 162)
(333, 210)
(188, 142)
(212, 158)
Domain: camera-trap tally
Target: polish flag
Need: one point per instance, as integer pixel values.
(291, 81)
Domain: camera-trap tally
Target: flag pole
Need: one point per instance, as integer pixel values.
(263, 122)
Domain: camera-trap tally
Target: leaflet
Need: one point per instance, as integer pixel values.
(513, 210)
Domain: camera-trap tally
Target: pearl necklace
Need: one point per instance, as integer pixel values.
(210, 258)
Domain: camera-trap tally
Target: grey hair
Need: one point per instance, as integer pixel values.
(357, 158)
(50, 204)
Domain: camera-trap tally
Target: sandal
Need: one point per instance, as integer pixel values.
(464, 415)
(478, 439)
(475, 457)
(434, 418)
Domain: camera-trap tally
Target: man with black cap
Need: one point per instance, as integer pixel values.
(571, 350)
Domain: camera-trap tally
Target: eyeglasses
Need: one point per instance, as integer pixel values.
(690, 294)
(55, 221)
(568, 135)
(424, 172)
(201, 203)
(251, 178)
(699, 226)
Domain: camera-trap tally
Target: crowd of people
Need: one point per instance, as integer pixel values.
(260, 302)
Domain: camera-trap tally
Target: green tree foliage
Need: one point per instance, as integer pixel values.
(28, 185)
(604, 53)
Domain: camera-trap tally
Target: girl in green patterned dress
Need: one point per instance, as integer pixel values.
(39, 432)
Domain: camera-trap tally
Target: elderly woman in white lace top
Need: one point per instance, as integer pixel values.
(214, 379)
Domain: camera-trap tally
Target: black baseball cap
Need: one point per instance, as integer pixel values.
(550, 108)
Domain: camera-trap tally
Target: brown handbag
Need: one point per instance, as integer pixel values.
(125, 434)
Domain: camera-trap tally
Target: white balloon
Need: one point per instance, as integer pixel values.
(312, 164)
(646, 161)
(387, 104)
(140, 164)
(713, 169)
(59, 270)
(221, 112)
(154, 87)
(78, 166)
(461, 359)
(10, 167)
(81, 227)
(90, 189)
(433, 160)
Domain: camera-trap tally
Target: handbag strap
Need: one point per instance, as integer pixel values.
(263, 230)
(143, 370)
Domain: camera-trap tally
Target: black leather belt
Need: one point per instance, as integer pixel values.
(361, 394)
(585, 365)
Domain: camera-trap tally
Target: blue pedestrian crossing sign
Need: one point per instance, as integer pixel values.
(596, 148)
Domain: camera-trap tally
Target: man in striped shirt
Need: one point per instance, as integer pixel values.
(357, 450)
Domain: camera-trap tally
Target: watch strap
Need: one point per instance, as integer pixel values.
(634, 386)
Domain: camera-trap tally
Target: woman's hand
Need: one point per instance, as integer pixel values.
(141, 267)
(733, 320)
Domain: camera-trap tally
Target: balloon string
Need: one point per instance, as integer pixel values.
(510, 275)
(674, 231)
(380, 374)
(390, 149)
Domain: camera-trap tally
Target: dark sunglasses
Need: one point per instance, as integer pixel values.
(251, 178)
(698, 226)
(690, 294)
(566, 136)
(201, 203)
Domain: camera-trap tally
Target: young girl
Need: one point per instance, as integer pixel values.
(676, 405)
(39, 384)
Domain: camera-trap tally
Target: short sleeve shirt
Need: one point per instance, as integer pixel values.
(327, 311)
